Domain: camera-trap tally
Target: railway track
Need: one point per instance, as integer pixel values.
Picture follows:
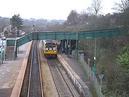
(63, 84)
(32, 85)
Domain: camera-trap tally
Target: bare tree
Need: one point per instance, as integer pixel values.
(96, 6)
(122, 6)
(73, 18)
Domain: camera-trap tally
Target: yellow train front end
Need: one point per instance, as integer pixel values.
(49, 49)
(50, 53)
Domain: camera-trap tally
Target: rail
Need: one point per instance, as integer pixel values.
(19, 81)
(64, 86)
(34, 81)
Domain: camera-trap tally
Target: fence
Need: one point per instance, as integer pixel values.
(91, 75)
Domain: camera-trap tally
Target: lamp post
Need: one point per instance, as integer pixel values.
(15, 51)
(101, 76)
(77, 45)
(1, 51)
(4, 46)
(94, 65)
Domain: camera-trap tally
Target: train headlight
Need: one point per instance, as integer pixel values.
(54, 48)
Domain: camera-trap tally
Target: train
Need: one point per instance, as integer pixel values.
(50, 48)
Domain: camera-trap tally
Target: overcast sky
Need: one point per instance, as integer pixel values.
(48, 9)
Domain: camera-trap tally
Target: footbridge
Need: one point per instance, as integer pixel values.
(83, 35)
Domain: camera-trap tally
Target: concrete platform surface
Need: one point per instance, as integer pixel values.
(75, 65)
(9, 71)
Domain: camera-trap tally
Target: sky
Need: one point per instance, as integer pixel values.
(48, 9)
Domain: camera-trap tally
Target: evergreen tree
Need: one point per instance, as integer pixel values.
(16, 22)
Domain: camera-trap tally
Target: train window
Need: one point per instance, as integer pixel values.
(54, 48)
(50, 45)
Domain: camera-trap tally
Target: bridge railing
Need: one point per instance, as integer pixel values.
(82, 35)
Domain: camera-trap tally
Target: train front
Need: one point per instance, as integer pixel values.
(50, 48)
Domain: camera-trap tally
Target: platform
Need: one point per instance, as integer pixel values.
(75, 65)
(9, 71)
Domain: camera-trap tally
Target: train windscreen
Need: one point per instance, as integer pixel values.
(50, 45)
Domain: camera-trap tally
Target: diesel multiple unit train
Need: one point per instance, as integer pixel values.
(50, 48)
